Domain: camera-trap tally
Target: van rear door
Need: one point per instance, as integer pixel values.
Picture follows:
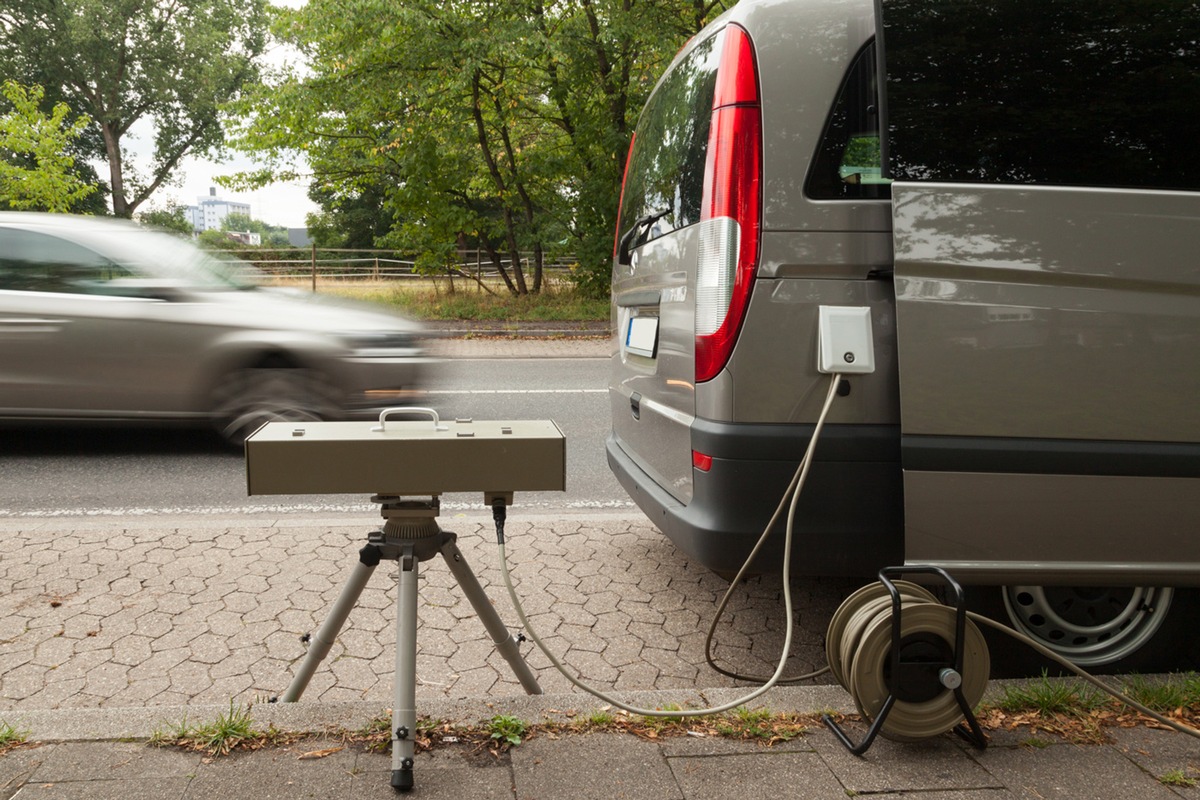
(1046, 227)
(652, 384)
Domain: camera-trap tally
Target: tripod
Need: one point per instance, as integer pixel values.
(409, 536)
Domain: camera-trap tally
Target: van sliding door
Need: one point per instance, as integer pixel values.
(1046, 226)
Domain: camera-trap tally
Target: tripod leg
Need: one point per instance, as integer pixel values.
(505, 643)
(318, 648)
(404, 692)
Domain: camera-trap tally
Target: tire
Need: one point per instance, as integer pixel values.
(245, 399)
(1101, 629)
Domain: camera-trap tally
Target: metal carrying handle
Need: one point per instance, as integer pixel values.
(382, 426)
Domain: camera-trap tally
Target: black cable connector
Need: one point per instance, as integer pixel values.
(499, 513)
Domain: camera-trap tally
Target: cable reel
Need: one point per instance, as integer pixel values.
(914, 666)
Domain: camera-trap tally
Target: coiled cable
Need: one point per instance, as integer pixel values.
(794, 489)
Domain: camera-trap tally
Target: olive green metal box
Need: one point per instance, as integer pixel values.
(406, 458)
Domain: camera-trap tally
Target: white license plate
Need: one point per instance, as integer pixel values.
(642, 336)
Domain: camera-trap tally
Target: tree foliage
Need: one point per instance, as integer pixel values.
(36, 167)
(497, 124)
(173, 219)
(125, 62)
(271, 235)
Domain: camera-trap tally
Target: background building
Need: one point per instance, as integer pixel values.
(212, 211)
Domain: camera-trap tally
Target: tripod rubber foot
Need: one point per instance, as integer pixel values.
(402, 780)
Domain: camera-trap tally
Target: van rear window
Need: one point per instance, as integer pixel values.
(1063, 92)
(666, 168)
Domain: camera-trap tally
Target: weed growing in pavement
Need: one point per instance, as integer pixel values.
(599, 719)
(1176, 777)
(507, 729)
(381, 724)
(743, 721)
(763, 725)
(1049, 697)
(1165, 695)
(654, 726)
(10, 737)
(228, 732)
(1036, 743)
(1079, 712)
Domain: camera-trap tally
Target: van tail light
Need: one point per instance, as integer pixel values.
(731, 210)
(621, 201)
(701, 461)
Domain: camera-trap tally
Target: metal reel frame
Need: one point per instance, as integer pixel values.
(969, 729)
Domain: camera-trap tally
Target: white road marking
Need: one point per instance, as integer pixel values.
(293, 508)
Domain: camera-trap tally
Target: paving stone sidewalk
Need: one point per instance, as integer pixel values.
(104, 613)
(115, 628)
(1135, 763)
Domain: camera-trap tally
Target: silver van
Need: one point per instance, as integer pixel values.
(1008, 187)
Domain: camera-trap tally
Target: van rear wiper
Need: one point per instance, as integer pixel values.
(631, 234)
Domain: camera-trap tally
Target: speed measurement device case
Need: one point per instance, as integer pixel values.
(406, 457)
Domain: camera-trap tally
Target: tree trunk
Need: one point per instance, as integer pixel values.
(112, 147)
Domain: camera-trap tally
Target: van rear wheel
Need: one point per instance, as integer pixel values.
(1089, 626)
(1104, 629)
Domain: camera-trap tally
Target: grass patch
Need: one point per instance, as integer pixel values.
(598, 719)
(228, 732)
(422, 300)
(559, 306)
(11, 738)
(761, 724)
(1176, 777)
(1050, 697)
(1166, 696)
(1079, 712)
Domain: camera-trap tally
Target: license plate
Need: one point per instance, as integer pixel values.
(642, 336)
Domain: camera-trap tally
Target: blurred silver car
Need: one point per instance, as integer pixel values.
(103, 319)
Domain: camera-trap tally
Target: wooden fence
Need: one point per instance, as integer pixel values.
(317, 263)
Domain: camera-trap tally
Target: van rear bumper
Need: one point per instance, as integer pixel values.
(849, 521)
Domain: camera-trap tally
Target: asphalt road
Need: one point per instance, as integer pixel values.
(88, 471)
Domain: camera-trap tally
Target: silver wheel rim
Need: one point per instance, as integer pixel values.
(1088, 626)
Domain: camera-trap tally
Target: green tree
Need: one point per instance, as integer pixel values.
(504, 124)
(36, 168)
(125, 62)
(272, 235)
(173, 218)
(213, 239)
(355, 220)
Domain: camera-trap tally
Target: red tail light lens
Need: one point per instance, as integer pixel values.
(731, 210)
(701, 462)
(621, 201)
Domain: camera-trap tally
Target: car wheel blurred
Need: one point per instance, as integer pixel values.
(247, 398)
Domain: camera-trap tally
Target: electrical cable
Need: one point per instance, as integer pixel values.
(1092, 679)
(791, 499)
(793, 492)
(794, 488)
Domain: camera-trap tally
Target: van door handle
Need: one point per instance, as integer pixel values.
(635, 404)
